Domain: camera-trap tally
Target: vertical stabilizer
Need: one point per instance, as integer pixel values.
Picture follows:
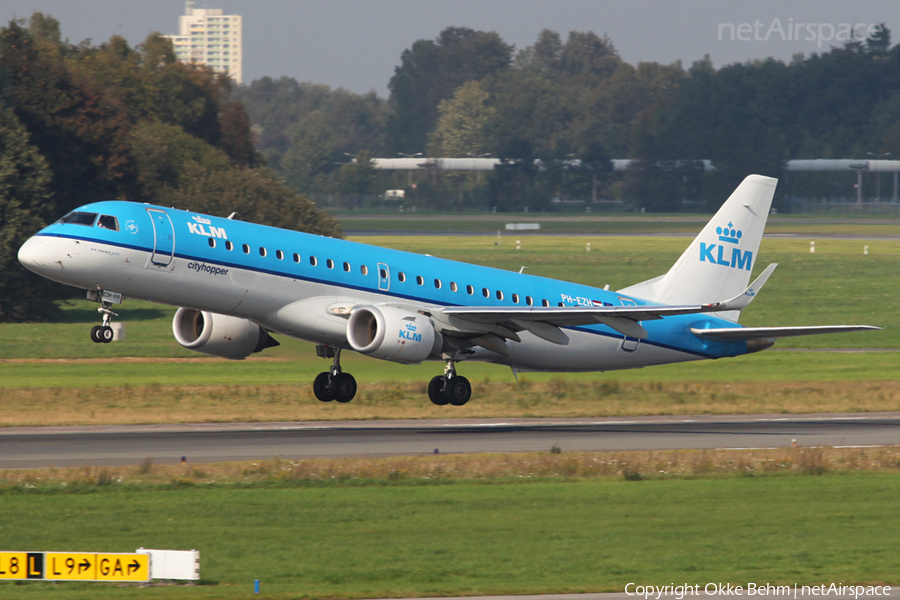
(718, 264)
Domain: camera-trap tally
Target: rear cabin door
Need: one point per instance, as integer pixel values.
(163, 238)
(629, 344)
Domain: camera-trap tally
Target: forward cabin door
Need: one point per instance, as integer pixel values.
(163, 238)
(384, 277)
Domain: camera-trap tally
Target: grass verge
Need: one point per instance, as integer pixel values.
(154, 403)
(433, 526)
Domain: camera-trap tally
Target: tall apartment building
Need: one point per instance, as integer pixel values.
(207, 36)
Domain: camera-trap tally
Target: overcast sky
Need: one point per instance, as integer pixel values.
(356, 44)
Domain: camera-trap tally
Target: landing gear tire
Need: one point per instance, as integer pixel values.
(333, 384)
(103, 334)
(321, 389)
(458, 391)
(436, 392)
(343, 387)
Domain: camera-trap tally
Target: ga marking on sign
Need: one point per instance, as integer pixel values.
(123, 567)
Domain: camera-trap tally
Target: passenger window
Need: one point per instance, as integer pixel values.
(499, 295)
(529, 300)
(470, 290)
(515, 298)
(364, 269)
(420, 280)
(211, 242)
(453, 287)
(313, 261)
(246, 249)
(229, 246)
(545, 303)
(401, 276)
(108, 222)
(329, 263)
(437, 283)
(347, 267)
(383, 273)
(296, 257)
(279, 254)
(486, 292)
(262, 251)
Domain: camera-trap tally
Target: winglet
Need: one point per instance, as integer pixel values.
(741, 301)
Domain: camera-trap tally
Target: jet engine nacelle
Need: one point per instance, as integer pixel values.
(219, 335)
(392, 334)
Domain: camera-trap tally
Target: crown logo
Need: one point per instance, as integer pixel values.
(728, 234)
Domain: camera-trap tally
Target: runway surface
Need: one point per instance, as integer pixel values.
(79, 446)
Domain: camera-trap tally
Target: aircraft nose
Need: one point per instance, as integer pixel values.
(33, 254)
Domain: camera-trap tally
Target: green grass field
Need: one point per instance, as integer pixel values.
(359, 540)
(394, 534)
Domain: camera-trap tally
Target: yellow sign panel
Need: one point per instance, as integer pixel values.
(70, 566)
(123, 567)
(12, 564)
(74, 566)
(21, 565)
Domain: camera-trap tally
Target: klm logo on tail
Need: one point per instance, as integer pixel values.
(716, 253)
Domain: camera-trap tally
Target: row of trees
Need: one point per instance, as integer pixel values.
(468, 93)
(82, 123)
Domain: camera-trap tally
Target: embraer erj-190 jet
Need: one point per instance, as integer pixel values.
(237, 282)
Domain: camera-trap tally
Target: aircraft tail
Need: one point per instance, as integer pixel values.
(718, 263)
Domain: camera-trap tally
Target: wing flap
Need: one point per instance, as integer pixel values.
(545, 331)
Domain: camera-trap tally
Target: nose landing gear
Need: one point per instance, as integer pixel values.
(103, 334)
(333, 384)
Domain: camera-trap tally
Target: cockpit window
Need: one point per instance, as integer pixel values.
(108, 222)
(79, 218)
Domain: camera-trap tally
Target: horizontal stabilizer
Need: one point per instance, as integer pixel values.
(743, 300)
(736, 334)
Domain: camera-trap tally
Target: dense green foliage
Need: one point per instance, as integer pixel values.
(83, 123)
(467, 93)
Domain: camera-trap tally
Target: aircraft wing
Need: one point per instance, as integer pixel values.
(732, 334)
(545, 322)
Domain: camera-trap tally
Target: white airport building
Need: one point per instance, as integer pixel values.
(207, 36)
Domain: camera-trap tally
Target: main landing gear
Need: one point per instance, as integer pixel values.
(449, 388)
(103, 334)
(333, 384)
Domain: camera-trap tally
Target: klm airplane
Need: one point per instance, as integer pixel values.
(236, 283)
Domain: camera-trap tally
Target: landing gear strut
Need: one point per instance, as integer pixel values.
(449, 388)
(103, 334)
(333, 384)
